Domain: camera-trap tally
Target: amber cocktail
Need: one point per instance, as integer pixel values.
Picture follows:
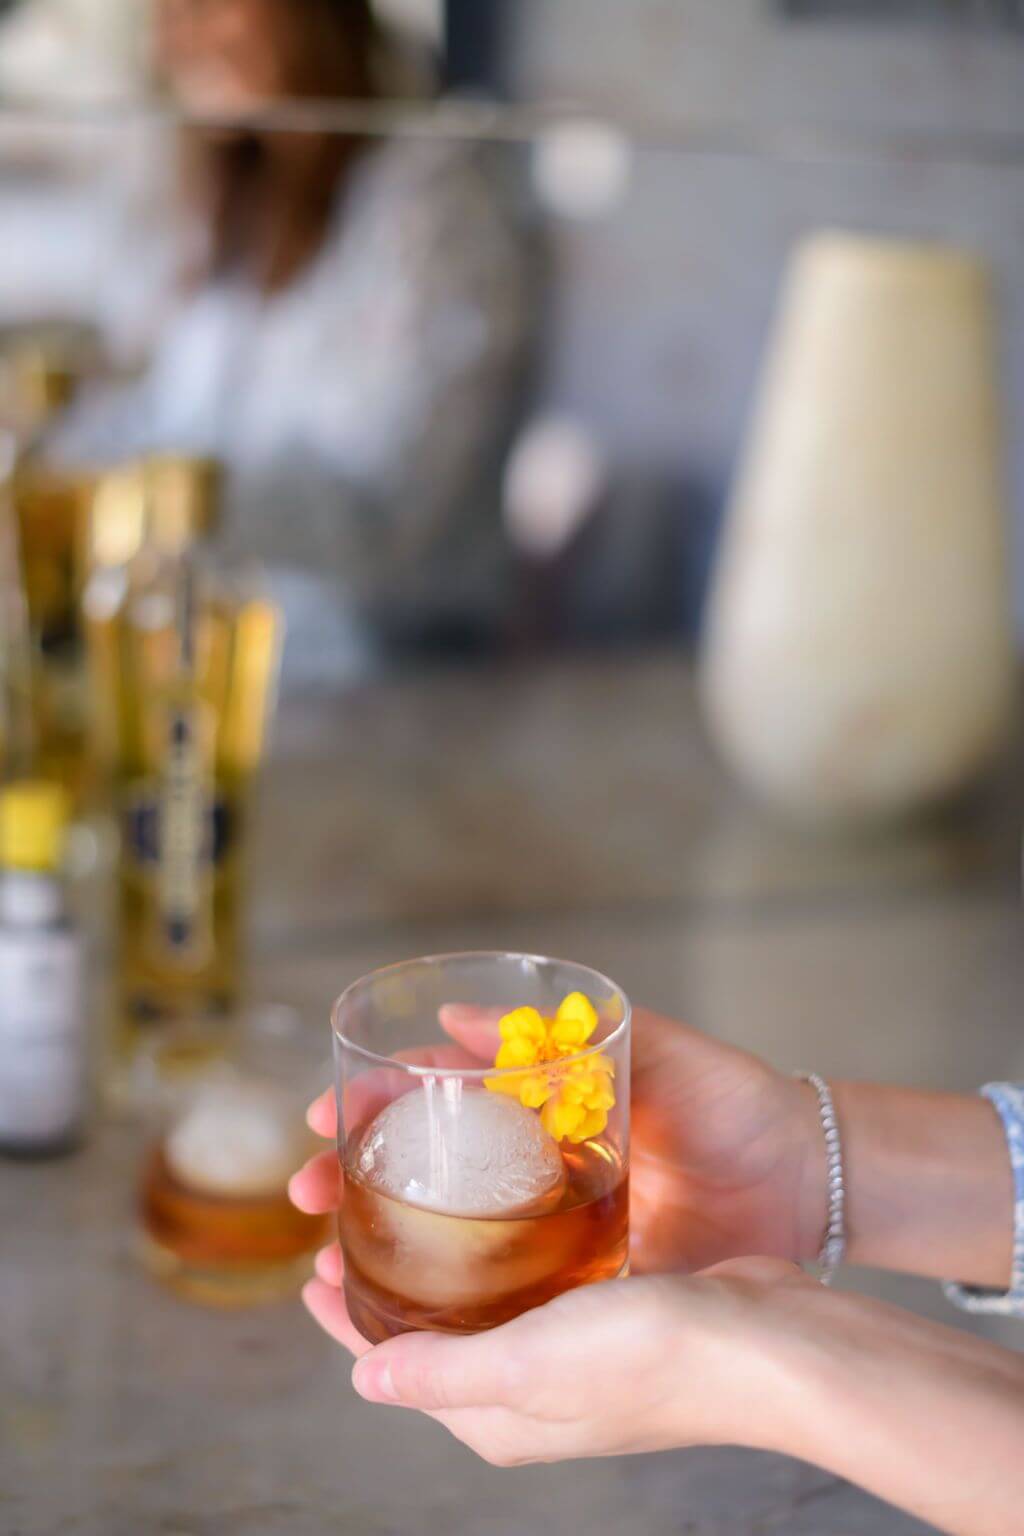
(215, 1218)
(483, 1139)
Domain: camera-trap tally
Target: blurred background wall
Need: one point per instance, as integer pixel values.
(661, 315)
(656, 306)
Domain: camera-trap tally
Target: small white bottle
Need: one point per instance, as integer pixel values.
(43, 1041)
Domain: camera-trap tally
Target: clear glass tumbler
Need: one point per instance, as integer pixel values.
(216, 1223)
(483, 1137)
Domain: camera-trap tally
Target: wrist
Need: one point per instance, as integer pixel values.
(800, 1381)
(742, 1330)
(816, 1341)
(929, 1183)
(922, 1415)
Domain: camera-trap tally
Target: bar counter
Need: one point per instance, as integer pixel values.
(572, 809)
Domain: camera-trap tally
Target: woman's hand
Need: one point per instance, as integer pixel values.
(631, 1365)
(728, 1159)
(727, 1155)
(749, 1353)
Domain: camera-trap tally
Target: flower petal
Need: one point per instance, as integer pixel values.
(536, 1090)
(561, 1119)
(517, 1052)
(524, 1024)
(574, 1023)
(592, 1124)
(511, 1084)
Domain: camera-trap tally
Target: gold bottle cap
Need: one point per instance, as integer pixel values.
(33, 822)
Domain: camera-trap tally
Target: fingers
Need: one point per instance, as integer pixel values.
(477, 1029)
(367, 1095)
(322, 1114)
(474, 1028)
(330, 1265)
(495, 1433)
(327, 1306)
(316, 1188)
(434, 1371)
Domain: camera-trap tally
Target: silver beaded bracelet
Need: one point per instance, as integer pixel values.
(833, 1247)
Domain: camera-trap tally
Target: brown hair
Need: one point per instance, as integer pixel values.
(264, 199)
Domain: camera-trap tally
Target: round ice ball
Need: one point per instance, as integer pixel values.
(462, 1153)
(239, 1139)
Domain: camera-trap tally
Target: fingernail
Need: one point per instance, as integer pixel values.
(372, 1380)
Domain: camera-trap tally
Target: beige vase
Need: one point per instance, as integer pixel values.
(858, 657)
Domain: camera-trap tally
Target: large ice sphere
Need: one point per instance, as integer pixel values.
(462, 1152)
(238, 1138)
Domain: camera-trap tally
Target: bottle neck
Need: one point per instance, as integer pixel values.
(30, 898)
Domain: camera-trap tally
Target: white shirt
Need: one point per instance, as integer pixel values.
(357, 409)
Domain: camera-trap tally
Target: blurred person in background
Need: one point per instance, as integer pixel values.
(349, 337)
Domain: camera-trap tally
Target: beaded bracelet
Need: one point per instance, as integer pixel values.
(833, 1247)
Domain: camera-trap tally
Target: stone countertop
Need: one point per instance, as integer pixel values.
(586, 786)
(573, 809)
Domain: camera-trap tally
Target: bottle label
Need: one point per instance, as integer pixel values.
(183, 857)
(42, 1037)
(176, 834)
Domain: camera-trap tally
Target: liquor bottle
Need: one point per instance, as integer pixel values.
(43, 1040)
(39, 374)
(184, 663)
(17, 734)
(72, 523)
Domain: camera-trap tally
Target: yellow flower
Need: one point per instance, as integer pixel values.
(573, 1024)
(525, 1029)
(574, 1101)
(579, 1109)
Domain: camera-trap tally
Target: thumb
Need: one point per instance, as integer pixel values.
(476, 1029)
(436, 1371)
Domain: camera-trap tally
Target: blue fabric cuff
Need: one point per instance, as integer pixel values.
(1008, 1099)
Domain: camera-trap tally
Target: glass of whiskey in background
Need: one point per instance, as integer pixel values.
(216, 1221)
(464, 1204)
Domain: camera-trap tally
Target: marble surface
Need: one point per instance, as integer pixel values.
(574, 809)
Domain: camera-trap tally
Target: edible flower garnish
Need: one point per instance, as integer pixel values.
(574, 1099)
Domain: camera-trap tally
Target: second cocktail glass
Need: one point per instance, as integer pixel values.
(483, 1137)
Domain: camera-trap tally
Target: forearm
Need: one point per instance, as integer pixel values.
(929, 1184)
(926, 1417)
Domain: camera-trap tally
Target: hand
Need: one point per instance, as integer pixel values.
(631, 1365)
(726, 1159)
(727, 1156)
(750, 1353)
